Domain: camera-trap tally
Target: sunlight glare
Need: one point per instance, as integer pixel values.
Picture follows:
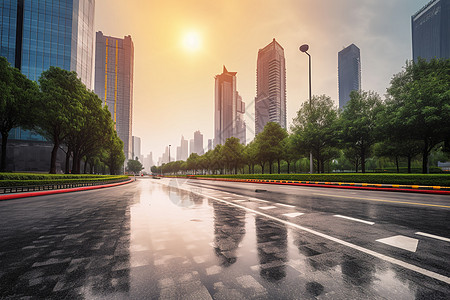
(191, 41)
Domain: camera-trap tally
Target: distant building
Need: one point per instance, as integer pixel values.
(229, 109)
(198, 142)
(148, 162)
(35, 35)
(349, 73)
(184, 149)
(270, 101)
(178, 153)
(114, 59)
(430, 28)
(136, 149)
(191, 147)
(210, 144)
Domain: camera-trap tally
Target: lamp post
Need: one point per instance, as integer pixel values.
(304, 48)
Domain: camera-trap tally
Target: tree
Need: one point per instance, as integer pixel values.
(134, 166)
(315, 129)
(192, 162)
(18, 97)
(113, 155)
(359, 123)
(419, 103)
(290, 152)
(60, 107)
(269, 143)
(232, 153)
(250, 156)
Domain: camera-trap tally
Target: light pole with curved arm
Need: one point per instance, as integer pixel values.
(304, 48)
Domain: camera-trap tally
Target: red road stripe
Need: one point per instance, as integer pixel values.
(52, 192)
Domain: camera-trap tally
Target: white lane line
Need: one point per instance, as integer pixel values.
(240, 200)
(267, 207)
(256, 199)
(401, 241)
(292, 215)
(354, 219)
(433, 236)
(286, 205)
(392, 260)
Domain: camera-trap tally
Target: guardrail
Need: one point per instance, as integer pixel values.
(48, 187)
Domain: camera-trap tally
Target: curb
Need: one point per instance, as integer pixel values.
(61, 191)
(440, 190)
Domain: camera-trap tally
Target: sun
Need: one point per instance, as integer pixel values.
(192, 41)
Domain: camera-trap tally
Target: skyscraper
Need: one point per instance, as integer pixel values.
(37, 34)
(270, 101)
(136, 148)
(229, 109)
(430, 30)
(184, 148)
(349, 73)
(114, 58)
(198, 142)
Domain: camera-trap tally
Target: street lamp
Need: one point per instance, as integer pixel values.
(304, 48)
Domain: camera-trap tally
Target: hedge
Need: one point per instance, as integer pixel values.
(61, 180)
(406, 179)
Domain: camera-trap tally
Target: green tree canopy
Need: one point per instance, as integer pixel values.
(18, 98)
(134, 166)
(270, 144)
(232, 153)
(359, 123)
(419, 104)
(315, 128)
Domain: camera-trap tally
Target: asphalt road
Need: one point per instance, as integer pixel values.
(191, 239)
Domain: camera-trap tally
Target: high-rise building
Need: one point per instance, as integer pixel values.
(184, 148)
(114, 58)
(430, 31)
(210, 144)
(270, 101)
(148, 162)
(229, 109)
(178, 153)
(136, 148)
(37, 34)
(349, 73)
(198, 142)
(191, 146)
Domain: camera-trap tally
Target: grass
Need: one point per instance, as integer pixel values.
(383, 178)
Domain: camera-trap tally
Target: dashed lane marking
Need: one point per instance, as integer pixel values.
(433, 236)
(354, 219)
(292, 215)
(392, 260)
(286, 205)
(267, 207)
(383, 200)
(401, 241)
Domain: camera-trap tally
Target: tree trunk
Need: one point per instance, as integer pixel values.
(270, 167)
(363, 160)
(85, 166)
(425, 157)
(322, 167)
(67, 166)
(288, 165)
(396, 163)
(53, 158)
(76, 163)
(409, 164)
(279, 171)
(3, 158)
(262, 168)
(92, 168)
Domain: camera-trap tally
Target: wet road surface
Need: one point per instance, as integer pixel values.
(179, 239)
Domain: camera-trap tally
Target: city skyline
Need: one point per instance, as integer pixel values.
(349, 73)
(174, 87)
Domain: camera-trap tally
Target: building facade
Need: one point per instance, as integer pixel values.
(430, 31)
(114, 69)
(270, 101)
(136, 148)
(349, 73)
(229, 109)
(37, 34)
(198, 142)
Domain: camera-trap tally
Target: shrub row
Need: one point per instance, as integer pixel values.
(38, 176)
(406, 179)
(9, 183)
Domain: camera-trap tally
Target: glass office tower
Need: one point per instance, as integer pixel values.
(37, 34)
(349, 73)
(431, 31)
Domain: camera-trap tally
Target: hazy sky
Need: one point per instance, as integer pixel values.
(174, 87)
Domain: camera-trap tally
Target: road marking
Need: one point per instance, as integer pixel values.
(256, 199)
(433, 236)
(286, 205)
(401, 241)
(392, 260)
(354, 219)
(267, 207)
(240, 200)
(382, 200)
(292, 215)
